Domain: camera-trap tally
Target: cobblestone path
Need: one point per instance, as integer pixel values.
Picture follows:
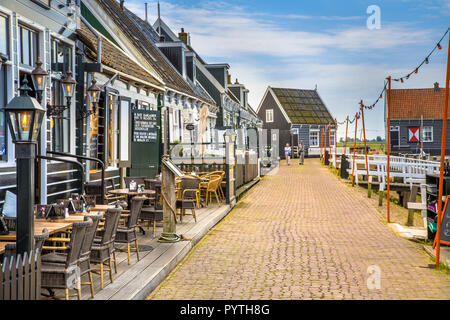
(303, 234)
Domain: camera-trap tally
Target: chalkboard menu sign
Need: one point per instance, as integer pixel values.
(445, 227)
(144, 126)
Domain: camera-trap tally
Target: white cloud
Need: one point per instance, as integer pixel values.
(262, 52)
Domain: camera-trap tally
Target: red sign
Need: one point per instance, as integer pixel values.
(414, 135)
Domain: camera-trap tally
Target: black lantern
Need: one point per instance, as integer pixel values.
(25, 117)
(93, 98)
(94, 92)
(24, 114)
(68, 85)
(39, 77)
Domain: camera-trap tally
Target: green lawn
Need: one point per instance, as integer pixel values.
(374, 146)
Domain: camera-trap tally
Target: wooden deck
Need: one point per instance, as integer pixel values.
(137, 280)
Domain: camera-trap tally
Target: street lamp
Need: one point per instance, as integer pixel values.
(68, 86)
(39, 77)
(24, 115)
(94, 97)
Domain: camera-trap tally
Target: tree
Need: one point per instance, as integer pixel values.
(379, 139)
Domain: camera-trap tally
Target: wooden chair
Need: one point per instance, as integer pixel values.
(154, 212)
(84, 262)
(127, 234)
(222, 175)
(189, 197)
(212, 189)
(103, 250)
(56, 275)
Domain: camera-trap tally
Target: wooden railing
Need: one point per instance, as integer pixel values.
(20, 277)
(409, 170)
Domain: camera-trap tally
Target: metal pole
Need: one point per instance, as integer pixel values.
(369, 190)
(345, 142)
(354, 151)
(335, 143)
(325, 145)
(25, 155)
(388, 143)
(441, 173)
(329, 139)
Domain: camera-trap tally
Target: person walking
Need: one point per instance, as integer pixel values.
(287, 153)
(301, 150)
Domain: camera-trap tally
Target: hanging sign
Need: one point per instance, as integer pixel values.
(144, 126)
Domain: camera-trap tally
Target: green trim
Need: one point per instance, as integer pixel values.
(93, 21)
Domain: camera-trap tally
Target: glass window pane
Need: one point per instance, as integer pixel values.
(3, 125)
(25, 46)
(4, 35)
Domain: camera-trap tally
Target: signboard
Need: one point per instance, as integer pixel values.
(190, 127)
(144, 126)
(413, 134)
(445, 225)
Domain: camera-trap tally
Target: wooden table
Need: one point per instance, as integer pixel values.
(3, 246)
(102, 207)
(76, 217)
(127, 192)
(52, 227)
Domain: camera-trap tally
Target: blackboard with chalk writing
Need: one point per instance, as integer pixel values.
(144, 126)
(445, 227)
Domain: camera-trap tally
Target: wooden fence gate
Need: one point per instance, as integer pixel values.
(20, 277)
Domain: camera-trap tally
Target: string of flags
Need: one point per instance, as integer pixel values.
(402, 79)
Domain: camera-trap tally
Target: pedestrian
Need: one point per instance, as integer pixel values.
(287, 153)
(301, 150)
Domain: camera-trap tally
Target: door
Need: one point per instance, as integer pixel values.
(395, 136)
(144, 140)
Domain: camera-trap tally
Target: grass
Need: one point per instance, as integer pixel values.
(374, 146)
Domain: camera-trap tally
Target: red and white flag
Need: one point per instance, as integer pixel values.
(414, 134)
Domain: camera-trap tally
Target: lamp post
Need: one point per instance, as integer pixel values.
(24, 115)
(39, 77)
(94, 97)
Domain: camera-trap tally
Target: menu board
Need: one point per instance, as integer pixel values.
(445, 226)
(144, 128)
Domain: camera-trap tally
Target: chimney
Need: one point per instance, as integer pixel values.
(229, 78)
(237, 82)
(436, 86)
(121, 4)
(183, 36)
(146, 12)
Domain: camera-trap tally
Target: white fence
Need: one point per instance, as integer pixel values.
(412, 171)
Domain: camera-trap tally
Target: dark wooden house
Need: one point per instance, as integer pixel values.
(416, 120)
(295, 115)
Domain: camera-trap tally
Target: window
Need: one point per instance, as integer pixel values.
(427, 134)
(314, 138)
(294, 130)
(113, 122)
(28, 46)
(269, 115)
(3, 128)
(60, 125)
(61, 56)
(332, 137)
(61, 61)
(4, 36)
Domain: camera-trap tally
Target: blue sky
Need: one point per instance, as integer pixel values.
(301, 44)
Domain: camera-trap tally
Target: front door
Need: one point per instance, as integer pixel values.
(145, 138)
(395, 136)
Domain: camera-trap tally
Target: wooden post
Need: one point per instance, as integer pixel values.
(321, 143)
(369, 189)
(329, 139)
(354, 151)
(388, 143)
(168, 194)
(335, 144)
(325, 145)
(345, 142)
(441, 173)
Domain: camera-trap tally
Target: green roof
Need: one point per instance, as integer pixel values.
(303, 106)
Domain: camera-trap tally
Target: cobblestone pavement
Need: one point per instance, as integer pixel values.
(303, 234)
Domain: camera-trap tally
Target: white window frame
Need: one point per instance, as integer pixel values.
(423, 133)
(269, 115)
(294, 130)
(315, 131)
(332, 137)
